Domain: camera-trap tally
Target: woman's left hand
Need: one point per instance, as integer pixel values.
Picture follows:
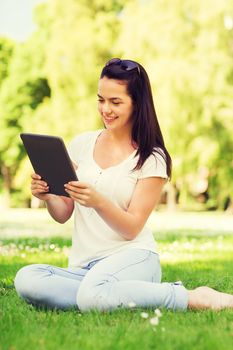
(84, 194)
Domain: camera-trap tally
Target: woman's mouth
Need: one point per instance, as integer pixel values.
(109, 119)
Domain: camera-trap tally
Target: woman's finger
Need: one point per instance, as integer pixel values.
(39, 187)
(78, 184)
(76, 195)
(35, 176)
(40, 183)
(75, 166)
(77, 189)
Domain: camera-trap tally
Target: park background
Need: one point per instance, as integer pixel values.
(48, 84)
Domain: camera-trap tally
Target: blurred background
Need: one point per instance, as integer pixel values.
(51, 54)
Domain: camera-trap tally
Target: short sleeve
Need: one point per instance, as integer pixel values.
(154, 166)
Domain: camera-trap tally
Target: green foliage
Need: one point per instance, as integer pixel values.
(6, 51)
(48, 84)
(74, 57)
(186, 47)
(21, 92)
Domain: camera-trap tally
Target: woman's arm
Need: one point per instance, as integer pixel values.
(127, 223)
(59, 207)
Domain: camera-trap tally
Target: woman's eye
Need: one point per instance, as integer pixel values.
(114, 103)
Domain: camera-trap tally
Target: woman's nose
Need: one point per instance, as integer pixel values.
(106, 108)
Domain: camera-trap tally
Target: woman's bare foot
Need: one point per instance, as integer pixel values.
(208, 298)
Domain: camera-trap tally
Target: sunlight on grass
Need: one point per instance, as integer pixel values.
(196, 249)
(32, 222)
(191, 255)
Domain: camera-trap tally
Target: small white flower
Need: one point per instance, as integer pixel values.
(178, 283)
(154, 321)
(144, 315)
(158, 313)
(131, 304)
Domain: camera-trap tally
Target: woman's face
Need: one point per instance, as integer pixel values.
(115, 105)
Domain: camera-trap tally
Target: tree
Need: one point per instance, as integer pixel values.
(22, 90)
(186, 47)
(6, 51)
(53, 77)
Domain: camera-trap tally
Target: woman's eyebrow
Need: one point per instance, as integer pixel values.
(111, 98)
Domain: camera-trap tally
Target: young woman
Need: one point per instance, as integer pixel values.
(121, 170)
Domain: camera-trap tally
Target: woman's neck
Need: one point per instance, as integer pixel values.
(119, 138)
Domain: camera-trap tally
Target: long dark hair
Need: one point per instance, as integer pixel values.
(146, 132)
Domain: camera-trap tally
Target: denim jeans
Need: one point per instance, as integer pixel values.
(130, 277)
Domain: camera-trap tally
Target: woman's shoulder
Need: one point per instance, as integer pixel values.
(158, 153)
(81, 142)
(84, 138)
(155, 164)
(86, 135)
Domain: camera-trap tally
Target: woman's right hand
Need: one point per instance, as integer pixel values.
(40, 188)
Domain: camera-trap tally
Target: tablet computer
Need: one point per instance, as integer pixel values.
(50, 160)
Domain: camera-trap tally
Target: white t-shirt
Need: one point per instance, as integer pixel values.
(92, 237)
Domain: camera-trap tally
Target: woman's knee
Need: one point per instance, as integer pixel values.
(96, 297)
(25, 281)
(85, 299)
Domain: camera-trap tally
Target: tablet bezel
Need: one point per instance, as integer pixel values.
(49, 157)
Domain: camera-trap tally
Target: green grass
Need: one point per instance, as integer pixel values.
(187, 255)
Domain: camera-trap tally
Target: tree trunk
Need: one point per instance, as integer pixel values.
(6, 174)
(171, 197)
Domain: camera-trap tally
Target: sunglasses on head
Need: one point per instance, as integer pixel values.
(127, 65)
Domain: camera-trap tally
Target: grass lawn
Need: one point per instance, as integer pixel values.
(192, 255)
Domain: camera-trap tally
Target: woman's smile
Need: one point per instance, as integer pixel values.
(109, 119)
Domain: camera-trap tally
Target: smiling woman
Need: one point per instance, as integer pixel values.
(121, 170)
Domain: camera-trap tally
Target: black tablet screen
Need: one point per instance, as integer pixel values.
(50, 160)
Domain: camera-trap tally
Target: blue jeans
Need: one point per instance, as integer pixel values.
(129, 277)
